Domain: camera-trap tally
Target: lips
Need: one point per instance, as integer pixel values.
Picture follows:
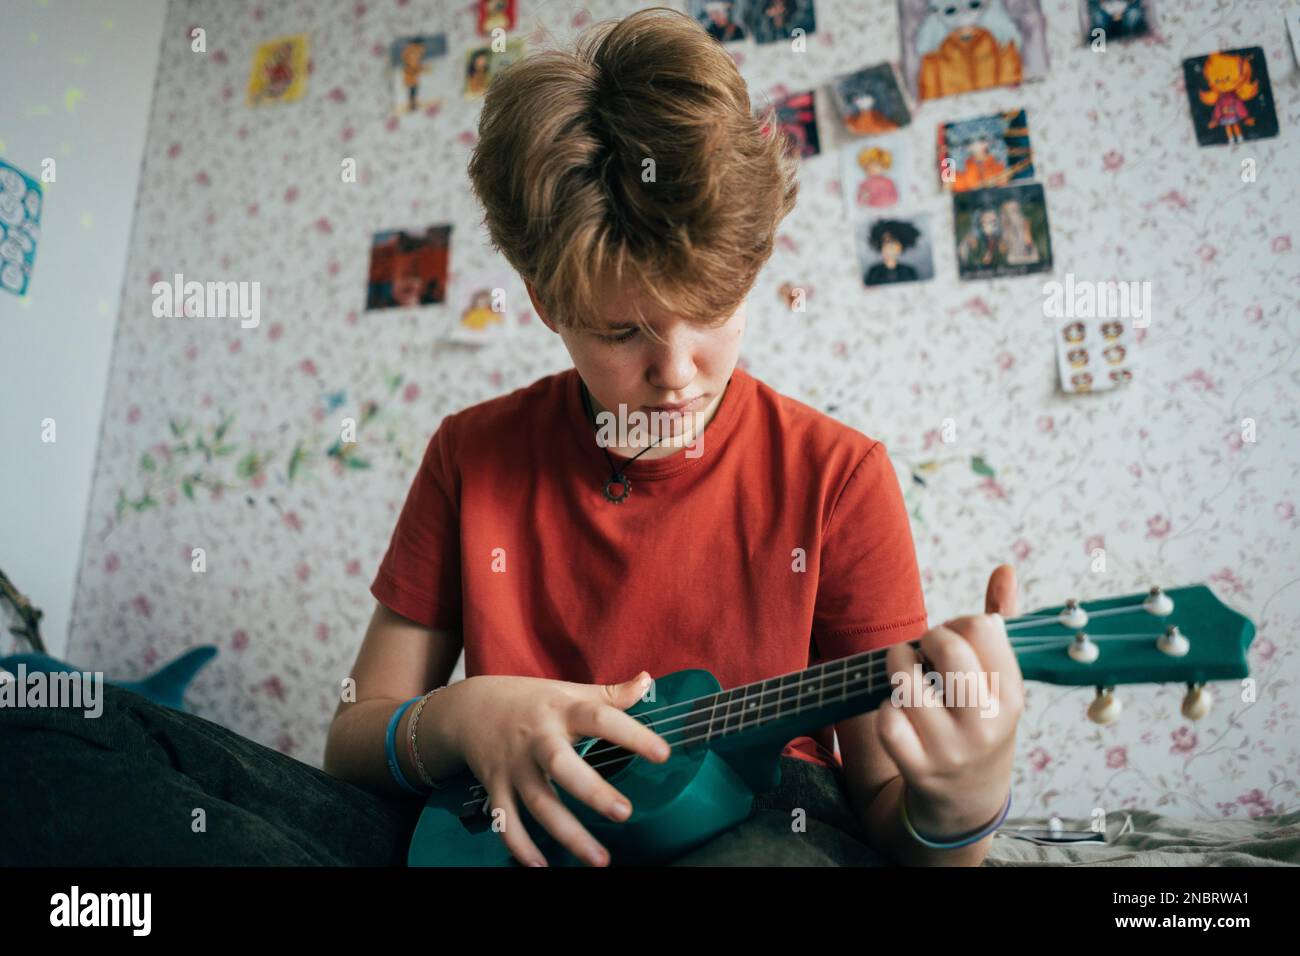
(679, 407)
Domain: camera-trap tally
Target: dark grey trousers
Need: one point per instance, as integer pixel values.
(123, 789)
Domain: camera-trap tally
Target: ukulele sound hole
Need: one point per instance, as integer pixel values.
(608, 759)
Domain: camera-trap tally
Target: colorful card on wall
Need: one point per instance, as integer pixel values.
(1095, 355)
(985, 151)
(952, 48)
(482, 64)
(408, 268)
(20, 227)
(724, 20)
(279, 73)
(1230, 97)
(870, 101)
(1116, 19)
(496, 14)
(410, 59)
(797, 116)
(772, 21)
(1002, 232)
(874, 174)
(895, 250)
(484, 311)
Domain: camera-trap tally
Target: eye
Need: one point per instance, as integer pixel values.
(621, 337)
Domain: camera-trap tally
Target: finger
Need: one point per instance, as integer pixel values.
(1000, 598)
(898, 738)
(998, 666)
(561, 763)
(964, 680)
(933, 726)
(598, 718)
(545, 806)
(986, 635)
(521, 846)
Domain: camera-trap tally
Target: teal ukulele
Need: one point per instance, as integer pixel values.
(726, 744)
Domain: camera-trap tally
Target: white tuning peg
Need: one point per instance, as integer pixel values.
(1197, 702)
(1073, 616)
(1105, 707)
(1159, 603)
(1082, 649)
(1173, 643)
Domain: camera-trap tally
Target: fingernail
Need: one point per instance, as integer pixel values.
(537, 862)
(596, 856)
(622, 809)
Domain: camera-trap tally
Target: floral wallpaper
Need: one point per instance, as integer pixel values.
(227, 438)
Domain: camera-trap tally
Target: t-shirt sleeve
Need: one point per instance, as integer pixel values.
(419, 577)
(869, 587)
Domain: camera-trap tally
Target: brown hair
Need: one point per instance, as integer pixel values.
(563, 142)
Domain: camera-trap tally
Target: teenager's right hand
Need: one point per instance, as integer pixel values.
(516, 732)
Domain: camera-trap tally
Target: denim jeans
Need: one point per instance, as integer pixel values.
(123, 789)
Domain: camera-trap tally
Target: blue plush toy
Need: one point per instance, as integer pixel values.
(166, 687)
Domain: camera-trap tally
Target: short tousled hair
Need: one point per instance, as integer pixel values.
(558, 168)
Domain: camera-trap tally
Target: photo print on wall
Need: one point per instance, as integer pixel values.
(874, 174)
(870, 101)
(985, 151)
(1107, 20)
(408, 268)
(20, 227)
(966, 45)
(895, 250)
(410, 59)
(483, 63)
(279, 73)
(1230, 97)
(1002, 232)
(724, 20)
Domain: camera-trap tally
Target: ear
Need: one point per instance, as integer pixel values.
(537, 307)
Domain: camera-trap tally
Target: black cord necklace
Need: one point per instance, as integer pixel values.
(616, 479)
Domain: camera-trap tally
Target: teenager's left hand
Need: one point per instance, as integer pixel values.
(956, 760)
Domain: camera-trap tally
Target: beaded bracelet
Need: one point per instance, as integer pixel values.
(390, 749)
(962, 841)
(415, 750)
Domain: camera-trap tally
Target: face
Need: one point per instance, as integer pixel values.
(891, 249)
(407, 283)
(622, 365)
(959, 14)
(412, 54)
(988, 222)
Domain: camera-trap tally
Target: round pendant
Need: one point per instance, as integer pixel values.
(620, 482)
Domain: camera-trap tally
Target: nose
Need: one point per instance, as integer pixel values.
(672, 364)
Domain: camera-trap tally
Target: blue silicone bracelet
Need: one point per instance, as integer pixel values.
(963, 841)
(390, 748)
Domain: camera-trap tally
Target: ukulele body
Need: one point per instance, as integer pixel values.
(698, 793)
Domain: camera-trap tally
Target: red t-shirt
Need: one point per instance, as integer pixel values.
(506, 537)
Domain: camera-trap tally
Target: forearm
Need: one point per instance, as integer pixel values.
(883, 824)
(355, 748)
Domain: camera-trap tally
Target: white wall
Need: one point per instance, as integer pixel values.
(77, 79)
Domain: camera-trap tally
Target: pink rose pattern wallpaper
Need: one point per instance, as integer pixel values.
(228, 439)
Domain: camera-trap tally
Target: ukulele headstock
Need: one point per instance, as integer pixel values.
(1184, 635)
